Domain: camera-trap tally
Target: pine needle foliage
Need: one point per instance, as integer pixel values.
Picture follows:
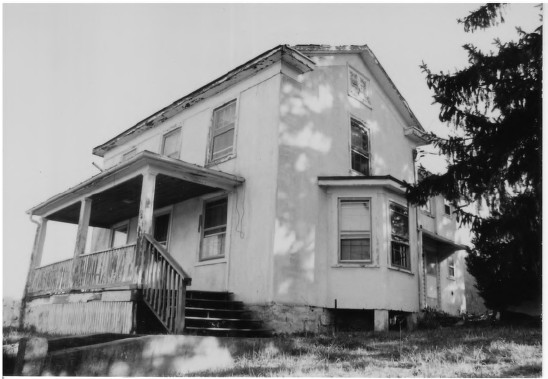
(494, 107)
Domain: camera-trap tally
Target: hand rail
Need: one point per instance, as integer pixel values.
(163, 284)
(162, 250)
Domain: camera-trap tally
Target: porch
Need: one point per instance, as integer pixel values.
(142, 270)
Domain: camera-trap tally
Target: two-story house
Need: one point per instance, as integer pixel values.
(276, 189)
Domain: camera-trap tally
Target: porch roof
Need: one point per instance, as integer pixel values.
(115, 192)
(386, 181)
(446, 243)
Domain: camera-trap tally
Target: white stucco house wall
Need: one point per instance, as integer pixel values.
(283, 183)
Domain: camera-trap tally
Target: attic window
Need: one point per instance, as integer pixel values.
(358, 86)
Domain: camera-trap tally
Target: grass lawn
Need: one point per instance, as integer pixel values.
(446, 352)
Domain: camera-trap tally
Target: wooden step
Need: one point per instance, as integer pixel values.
(211, 295)
(229, 332)
(217, 313)
(216, 304)
(230, 323)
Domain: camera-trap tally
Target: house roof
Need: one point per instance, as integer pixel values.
(298, 56)
(414, 126)
(279, 53)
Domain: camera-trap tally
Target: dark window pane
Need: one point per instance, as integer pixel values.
(355, 249)
(399, 221)
(360, 163)
(400, 255)
(215, 214)
(360, 139)
(161, 228)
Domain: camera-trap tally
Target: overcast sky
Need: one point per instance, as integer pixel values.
(75, 75)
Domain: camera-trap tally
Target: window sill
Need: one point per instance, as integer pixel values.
(355, 265)
(212, 261)
(402, 270)
(451, 278)
(220, 160)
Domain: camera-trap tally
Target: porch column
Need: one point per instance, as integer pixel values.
(35, 260)
(144, 221)
(81, 234)
(422, 284)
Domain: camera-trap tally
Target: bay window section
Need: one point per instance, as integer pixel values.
(399, 223)
(214, 229)
(354, 231)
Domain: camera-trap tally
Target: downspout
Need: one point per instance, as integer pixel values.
(31, 264)
(419, 236)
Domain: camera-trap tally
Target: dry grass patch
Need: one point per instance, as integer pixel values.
(447, 352)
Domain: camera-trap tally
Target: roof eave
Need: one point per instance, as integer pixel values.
(282, 52)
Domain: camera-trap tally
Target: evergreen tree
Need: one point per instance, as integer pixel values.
(494, 107)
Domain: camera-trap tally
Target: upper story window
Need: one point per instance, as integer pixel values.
(354, 231)
(359, 147)
(427, 208)
(222, 131)
(446, 207)
(451, 266)
(358, 86)
(170, 143)
(399, 223)
(214, 222)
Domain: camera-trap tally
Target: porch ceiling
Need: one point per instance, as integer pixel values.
(121, 202)
(116, 192)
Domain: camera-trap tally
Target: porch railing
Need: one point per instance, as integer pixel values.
(109, 268)
(114, 267)
(164, 285)
(52, 278)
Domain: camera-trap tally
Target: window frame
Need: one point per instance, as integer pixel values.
(451, 266)
(430, 210)
(161, 212)
(363, 126)
(113, 229)
(446, 205)
(393, 241)
(212, 134)
(340, 233)
(177, 129)
(202, 229)
(351, 91)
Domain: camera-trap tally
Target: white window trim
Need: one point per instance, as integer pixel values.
(365, 126)
(367, 100)
(449, 276)
(166, 134)
(218, 258)
(161, 212)
(112, 231)
(339, 234)
(409, 269)
(445, 202)
(430, 213)
(209, 151)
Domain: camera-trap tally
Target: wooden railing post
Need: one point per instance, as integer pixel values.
(81, 236)
(35, 260)
(180, 311)
(144, 222)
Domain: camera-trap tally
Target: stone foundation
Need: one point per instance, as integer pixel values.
(283, 318)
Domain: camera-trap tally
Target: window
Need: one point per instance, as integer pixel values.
(358, 86)
(161, 228)
(427, 208)
(447, 207)
(129, 154)
(399, 222)
(359, 147)
(214, 229)
(222, 133)
(354, 230)
(118, 236)
(170, 143)
(451, 266)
